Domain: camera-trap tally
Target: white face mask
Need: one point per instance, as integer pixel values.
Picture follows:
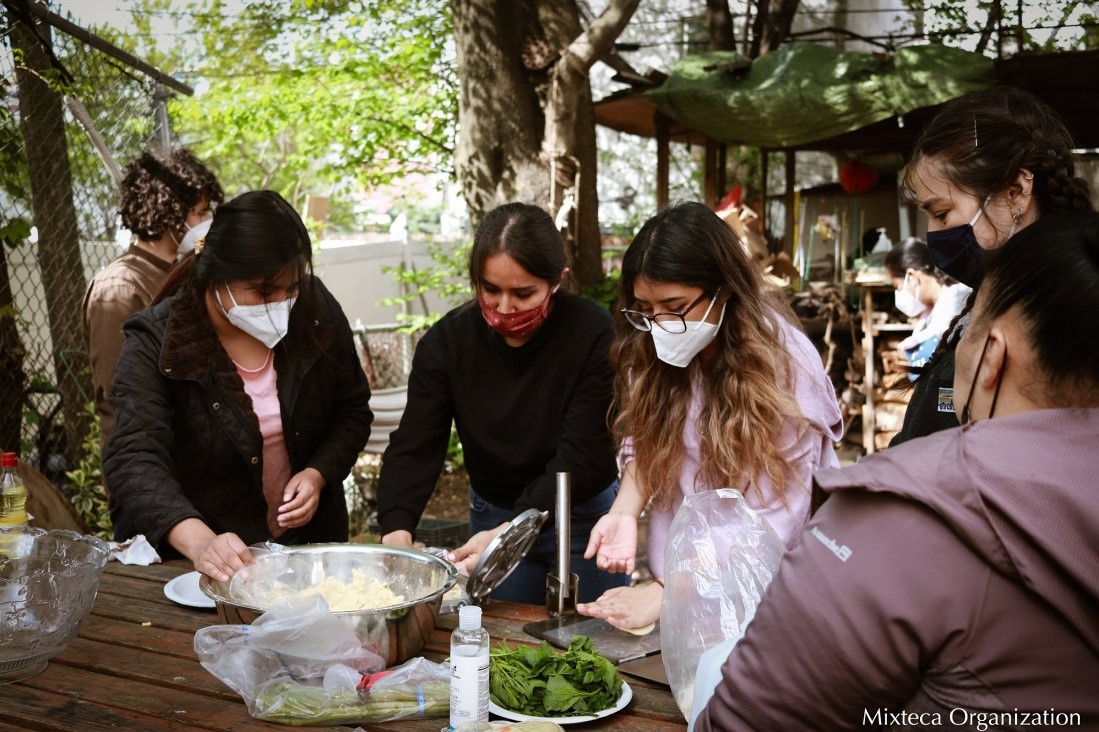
(908, 303)
(194, 233)
(266, 322)
(678, 349)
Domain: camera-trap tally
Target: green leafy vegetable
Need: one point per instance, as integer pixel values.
(544, 683)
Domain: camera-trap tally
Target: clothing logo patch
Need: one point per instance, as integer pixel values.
(946, 399)
(843, 552)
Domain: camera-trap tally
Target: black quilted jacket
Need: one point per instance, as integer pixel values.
(186, 442)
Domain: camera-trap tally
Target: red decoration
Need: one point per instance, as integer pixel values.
(857, 177)
(731, 199)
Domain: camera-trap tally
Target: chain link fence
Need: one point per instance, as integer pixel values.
(69, 112)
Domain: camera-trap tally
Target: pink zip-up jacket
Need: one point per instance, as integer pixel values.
(951, 582)
(806, 444)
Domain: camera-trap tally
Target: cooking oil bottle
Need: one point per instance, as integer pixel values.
(468, 669)
(13, 494)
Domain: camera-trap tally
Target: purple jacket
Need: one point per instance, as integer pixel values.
(948, 583)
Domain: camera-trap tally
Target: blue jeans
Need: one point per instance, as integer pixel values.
(528, 582)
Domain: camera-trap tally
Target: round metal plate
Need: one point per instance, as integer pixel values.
(504, 553)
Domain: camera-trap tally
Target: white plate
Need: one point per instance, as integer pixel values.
(184, 590)
(623, 699)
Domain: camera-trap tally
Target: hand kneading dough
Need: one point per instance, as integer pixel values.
(643, 630)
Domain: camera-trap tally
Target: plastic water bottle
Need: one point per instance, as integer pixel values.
(468, 669)
(13, 494)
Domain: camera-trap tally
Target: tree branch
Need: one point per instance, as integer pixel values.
(583, 52)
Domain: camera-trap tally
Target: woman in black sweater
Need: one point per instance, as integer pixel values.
(522, 372)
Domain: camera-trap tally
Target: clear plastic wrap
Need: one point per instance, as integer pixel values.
(299, 664)
(720, 558)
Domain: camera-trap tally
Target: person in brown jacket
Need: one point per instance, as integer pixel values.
(164, 195)
(953, 582)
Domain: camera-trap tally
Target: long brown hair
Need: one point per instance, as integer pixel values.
(747, 383)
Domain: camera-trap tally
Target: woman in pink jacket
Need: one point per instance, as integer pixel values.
(716, 386)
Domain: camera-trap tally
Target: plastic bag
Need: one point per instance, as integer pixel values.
(299, 664)
(719, 560)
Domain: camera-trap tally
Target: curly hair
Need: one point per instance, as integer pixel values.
(985, 138)
(160, 188)
(747, 382)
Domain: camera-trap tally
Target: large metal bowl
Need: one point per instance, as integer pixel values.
(48, 581)
(395, 632)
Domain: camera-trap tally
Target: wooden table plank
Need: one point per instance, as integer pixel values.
(123, 673)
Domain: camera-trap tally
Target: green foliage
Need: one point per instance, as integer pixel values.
(1044, 27)
(15, 232)
(447, 279)
(605, 291)
(543, 683)
(320, 97)
(86, 483)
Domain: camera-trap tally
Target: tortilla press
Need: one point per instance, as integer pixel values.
(564, 622)
(499, 559)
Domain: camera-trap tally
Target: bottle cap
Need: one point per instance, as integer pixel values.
(9, 460)
(469, 617)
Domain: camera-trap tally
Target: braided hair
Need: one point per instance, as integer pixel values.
(985, 138)
(982, 141)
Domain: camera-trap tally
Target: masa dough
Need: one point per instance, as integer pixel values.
(643, 630)
(361, 593)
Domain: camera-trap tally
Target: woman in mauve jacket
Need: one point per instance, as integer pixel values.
(241, 403)
(950, 582)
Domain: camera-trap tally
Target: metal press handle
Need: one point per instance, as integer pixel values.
(564, 537)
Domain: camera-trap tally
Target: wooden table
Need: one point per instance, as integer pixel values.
(133, 666)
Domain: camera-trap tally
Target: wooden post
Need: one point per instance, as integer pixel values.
(763, 192)
(662, 153)
(709, 176)
(722, 183)
(791, 169)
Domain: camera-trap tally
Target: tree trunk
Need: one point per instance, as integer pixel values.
(500, 118)
(720, 21)
(43, 126)
(778, 24)
(12, 379)
(512, 145)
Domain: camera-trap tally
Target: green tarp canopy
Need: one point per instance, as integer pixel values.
(804, 92)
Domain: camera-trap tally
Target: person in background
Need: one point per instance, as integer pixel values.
(522, 373)
(241, 404)
(964, 598)
(716, 386)
(923, 292)
(987, 166)
(163, 196)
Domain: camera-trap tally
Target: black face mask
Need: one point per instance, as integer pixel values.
(956, 252)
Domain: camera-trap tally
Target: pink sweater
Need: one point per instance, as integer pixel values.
(262, 387)
(806, 444)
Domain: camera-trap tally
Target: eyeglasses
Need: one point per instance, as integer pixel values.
(670, 322)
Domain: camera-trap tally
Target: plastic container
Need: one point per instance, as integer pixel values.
(468, 669)
(13, 494)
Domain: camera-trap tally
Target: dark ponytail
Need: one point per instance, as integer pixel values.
(1056, 295)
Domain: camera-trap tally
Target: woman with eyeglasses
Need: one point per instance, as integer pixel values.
(522, 372)
(715, 386)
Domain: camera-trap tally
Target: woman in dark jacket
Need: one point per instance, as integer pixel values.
(241, 404)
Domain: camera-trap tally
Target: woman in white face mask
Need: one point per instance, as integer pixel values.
(241, 403)
(924, 292)
(715, 386)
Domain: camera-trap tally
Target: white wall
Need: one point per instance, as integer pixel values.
(354, 273)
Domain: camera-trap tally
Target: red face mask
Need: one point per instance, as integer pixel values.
(519, 324)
